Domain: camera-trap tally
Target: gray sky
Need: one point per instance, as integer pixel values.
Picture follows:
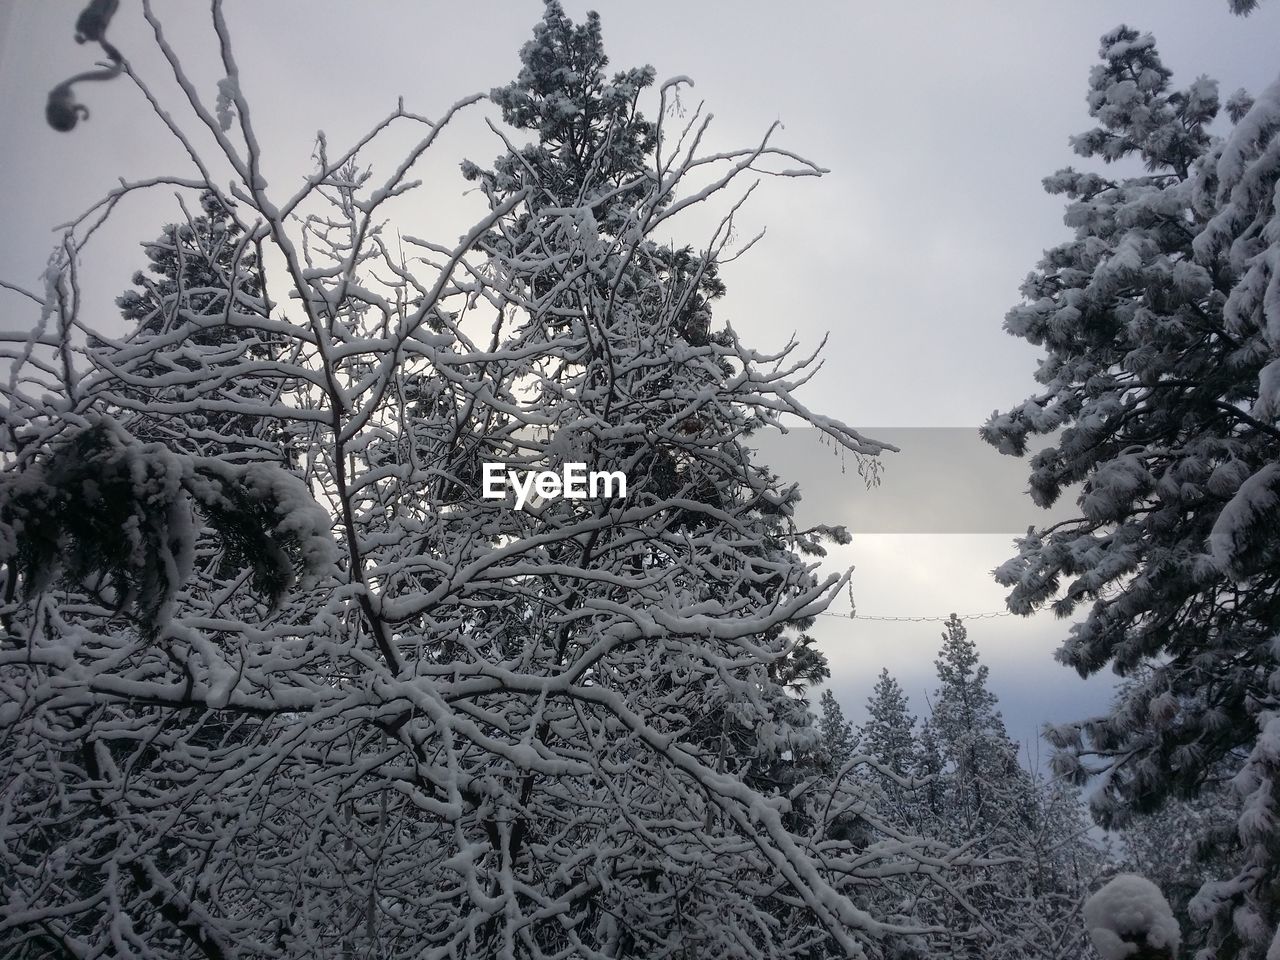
(937, 119)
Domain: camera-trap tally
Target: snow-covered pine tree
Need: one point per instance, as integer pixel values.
(1031, 836)
(1060, 862)
(981, 759)
(928, 767)
(657, 298)
(184, 316)
(838, 739)
(889, 731)
(894, 795)
(1162, 373)
(984, 792)
(158, 489)
(1021, 860)
(888, 736)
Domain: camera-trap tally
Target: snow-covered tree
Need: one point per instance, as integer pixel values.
(347, 705)
(982, 797)
(1037, 858)
(1182, 846)
(1019, 862)
(838, 739)
(888, 735)
(986, 780)
(1161, 398)
(889, 731)
(200, 268)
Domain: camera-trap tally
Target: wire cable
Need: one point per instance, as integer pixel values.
(854, 615)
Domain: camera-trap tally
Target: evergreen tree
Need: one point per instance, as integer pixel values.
(1034, 858)
(1161, 372)
(193, 374)
(1019, 846)
(889, 732)
(928, 768)
(195, 268)
(838, 740)
(888, 738)
(595, 153)
(980, 757)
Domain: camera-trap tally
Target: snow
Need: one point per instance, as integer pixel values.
(580, 713)
(1252, 509)
(225, 104)
(1254, 128)
(1127, 912)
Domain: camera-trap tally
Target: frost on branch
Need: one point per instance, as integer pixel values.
(1129, 919)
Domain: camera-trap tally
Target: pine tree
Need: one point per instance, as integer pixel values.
(888, 738)
(982, 760)
(1161, 372)
(195, 267)
(1036, 861)
(595, 152)
(838, 740)
(928, 767)
(190, 358)
(889, 732)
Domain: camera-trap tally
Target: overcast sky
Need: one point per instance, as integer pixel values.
(937, 120)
